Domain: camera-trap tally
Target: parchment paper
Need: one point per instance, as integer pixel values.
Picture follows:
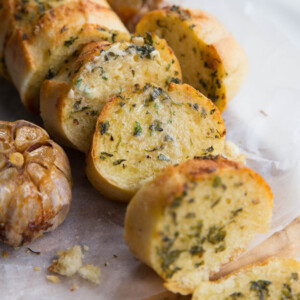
(263, 120)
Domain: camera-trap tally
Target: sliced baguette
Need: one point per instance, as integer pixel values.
(211, 59)
(72, 101)
(275, 278)
(141, 131)
(41, 35)
(196, 217)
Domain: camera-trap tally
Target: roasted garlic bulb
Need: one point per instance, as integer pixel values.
(35, 183)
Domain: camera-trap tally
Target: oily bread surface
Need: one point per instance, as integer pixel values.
(195, 217)
(78, 93)
(275, 278)
(151, 129)
(36, 48)
(211, 59)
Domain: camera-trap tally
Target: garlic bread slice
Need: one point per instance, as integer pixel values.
(72, 101)
(211, 59)
(275, 278)
(39, 35)
(141, 131)
(195, 217)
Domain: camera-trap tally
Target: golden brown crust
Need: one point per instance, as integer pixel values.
(35, 183)
(37, 48)
(108, 189)
(225, 57)
(53, 92)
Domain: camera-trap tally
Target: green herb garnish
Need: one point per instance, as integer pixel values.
(78, 82)
(148, 38)
(217, 182)
(104, 126)
(137, 129)
(216, 235)
(215, 203)
(69, 42)
(236, 212)
(50, 74)
(260, 288)
(235, 296)
(163, 157)
(156, 126)
(118, 162)
(107, 154)
(197, 250)
(286, 292)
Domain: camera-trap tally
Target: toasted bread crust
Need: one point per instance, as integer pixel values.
(225, 55)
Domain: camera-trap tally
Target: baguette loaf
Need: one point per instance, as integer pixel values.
(72, 101)
(272, 279)
(38, 36)
(195, 217)
(211, 59)
(35, 183)
(141, 131)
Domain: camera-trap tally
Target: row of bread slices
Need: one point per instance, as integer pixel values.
(45, 41)
(39, 38)
(186, 223)
(147, 119)
(196, 217)
(192, 218)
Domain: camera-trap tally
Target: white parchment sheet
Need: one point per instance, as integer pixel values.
(263, 120)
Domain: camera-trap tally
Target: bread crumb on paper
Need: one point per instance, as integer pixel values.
(74, 287)
(68, 263)
(232, 152)
(37, 269)
(53, 278)
(91, 273)
(263, 113)
(4, 254)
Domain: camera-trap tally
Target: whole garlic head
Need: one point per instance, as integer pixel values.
(35, 183)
